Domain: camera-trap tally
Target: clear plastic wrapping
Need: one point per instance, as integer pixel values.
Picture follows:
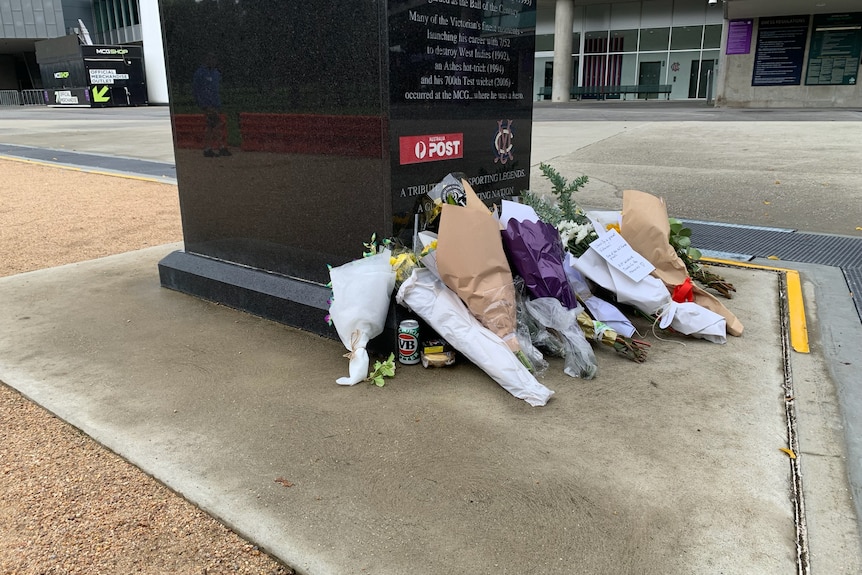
(562, 324)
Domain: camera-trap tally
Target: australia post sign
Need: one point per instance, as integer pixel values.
(431, 148)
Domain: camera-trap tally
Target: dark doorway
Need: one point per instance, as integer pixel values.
(698, 82)
(649, 75)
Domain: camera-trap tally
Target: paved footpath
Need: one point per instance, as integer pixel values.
(670, 467)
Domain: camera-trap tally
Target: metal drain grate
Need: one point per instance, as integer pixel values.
(843, 252)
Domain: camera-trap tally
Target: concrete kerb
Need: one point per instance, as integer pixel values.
(829, 408)
(822, 412)
(652, 468)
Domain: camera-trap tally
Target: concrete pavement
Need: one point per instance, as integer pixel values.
(794, 169)
(140, 133)
(673, 466)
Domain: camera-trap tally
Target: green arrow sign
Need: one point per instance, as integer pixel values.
(99, 94)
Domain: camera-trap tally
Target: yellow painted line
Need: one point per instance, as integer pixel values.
(796, 309)
(795, 303)
(85, 170)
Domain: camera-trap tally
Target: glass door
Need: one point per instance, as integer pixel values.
(650, 75)
(701, 75)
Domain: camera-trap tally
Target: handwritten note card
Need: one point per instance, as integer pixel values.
(620, 255)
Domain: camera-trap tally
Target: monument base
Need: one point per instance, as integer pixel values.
(297, 303)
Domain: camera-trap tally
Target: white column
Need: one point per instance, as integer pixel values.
(154, 53)
(564, 17)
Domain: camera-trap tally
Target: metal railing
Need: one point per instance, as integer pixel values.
(33, 98)
(22, 98)
(10, 98)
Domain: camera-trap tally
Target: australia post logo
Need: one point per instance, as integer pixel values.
(431, 148)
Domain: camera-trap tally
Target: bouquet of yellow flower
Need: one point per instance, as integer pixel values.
(403, 262)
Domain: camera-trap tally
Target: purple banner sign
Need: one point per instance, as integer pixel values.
(739, 36)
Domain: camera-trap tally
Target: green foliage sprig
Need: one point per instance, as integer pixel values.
(382, 370)
(680, 239)
(564, 190)
(564, 207)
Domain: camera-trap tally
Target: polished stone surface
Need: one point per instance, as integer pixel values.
(302, 131)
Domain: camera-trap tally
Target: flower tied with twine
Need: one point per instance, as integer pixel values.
(354, 341)
(357, 355)
(684, 292)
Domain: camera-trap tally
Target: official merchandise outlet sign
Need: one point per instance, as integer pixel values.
(105, 76)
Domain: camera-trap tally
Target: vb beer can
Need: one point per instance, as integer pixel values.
(408, 342)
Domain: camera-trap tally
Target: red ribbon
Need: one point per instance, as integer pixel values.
(683, 292)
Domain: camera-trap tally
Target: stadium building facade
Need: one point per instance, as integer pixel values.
(23, 23)
(745, 53)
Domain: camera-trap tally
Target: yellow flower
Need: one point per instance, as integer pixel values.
(400, 259)
(403, 265)
(429, 248)
(610, 227)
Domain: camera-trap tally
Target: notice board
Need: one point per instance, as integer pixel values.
(780, 51)
(836, 45)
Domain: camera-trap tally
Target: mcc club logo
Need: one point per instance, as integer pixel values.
(503, 142)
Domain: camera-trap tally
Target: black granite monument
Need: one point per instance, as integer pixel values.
(302, 128)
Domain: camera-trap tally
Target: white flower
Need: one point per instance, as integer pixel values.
(568, 229)
(583, 231)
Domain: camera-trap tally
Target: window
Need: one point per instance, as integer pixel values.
(115, 14)
(712, 37)
(596, 42)
(623, 41)
(545, 43)
(654, 39)
(686, 38)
